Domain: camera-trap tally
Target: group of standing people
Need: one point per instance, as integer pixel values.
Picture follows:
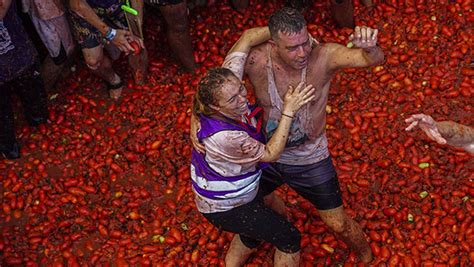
(96, 26)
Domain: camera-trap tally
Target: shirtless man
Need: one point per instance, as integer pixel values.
(305, 165)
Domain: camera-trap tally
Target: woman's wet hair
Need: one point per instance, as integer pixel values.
(285, 20)
(208, 88)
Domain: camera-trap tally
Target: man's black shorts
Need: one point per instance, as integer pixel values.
(317, 182)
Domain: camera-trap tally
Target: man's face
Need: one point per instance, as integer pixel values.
(232, 98)
(294, 48)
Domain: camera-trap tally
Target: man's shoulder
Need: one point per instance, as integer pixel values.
(257, 55)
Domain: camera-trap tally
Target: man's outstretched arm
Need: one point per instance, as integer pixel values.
(364, 53)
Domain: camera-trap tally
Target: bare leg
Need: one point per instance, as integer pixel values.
(286, 259)
(176, 17)
(348, 230)
(343, 13)
(237, 254)
(101, 66)
(276, 203)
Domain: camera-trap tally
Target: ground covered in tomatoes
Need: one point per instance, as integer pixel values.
(107, 183)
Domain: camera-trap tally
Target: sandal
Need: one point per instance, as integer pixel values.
(115, 90)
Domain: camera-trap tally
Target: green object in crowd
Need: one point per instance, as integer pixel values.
(423, 165)
(423, 194)
(129, 10)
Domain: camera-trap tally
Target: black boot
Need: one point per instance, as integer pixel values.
(10, 151)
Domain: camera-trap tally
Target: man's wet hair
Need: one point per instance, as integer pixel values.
(285, 20)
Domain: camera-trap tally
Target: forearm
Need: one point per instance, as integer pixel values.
(373, 55)
(82, 8)
(138, 6)
(276, 144)
(456, 134)
(4, 6)
(250, 38)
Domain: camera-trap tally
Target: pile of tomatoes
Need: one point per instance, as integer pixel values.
(107, 183)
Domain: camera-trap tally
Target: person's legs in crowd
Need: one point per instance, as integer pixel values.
(91, 42)
(343, 13)
(101, 65)
(30, 88)
(56, 35)
(8, 144)
(176, 17)
(239, 5)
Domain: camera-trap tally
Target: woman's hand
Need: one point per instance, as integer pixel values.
(297, 97)
(122, 42)
(195, 126)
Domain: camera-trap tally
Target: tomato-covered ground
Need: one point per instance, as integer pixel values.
(107, 183)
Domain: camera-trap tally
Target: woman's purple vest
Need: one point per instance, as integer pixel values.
(210, 126)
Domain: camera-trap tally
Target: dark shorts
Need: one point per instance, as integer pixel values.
(317, 182)
(164, 2)
(86, 35)
(255, 222)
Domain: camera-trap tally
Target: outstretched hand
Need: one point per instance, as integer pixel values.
(364, 37)
(427, 124)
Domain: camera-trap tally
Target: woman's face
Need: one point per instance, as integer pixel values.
(232, 98)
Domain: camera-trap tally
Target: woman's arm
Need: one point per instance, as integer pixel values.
(84, 10)
(294, 100)
(250, 38)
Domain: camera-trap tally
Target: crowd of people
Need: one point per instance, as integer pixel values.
(95, 26)
(242, 153)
